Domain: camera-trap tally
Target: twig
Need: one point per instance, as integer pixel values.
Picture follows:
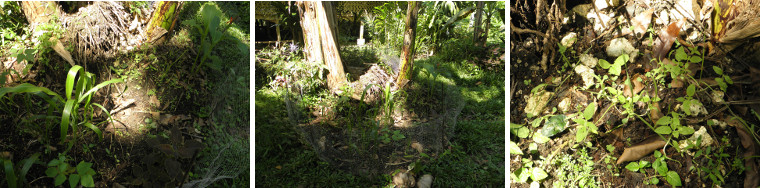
(522, 31)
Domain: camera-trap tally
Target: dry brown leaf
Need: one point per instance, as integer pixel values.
(641, 149)
(637, 86)
(751, 179)
(641, 22)
(665, 41)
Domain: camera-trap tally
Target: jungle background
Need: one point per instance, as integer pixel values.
(443, 126)
(609, 93)
(124, 94)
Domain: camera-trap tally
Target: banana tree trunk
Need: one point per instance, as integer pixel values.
(320, 39)
(407, 51)
(162, 20)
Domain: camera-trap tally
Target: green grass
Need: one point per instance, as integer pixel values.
(476, 157)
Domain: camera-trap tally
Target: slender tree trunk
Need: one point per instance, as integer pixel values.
(478, 18)
(407, 51)
(321, 39)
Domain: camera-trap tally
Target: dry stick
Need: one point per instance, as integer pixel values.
(518, 30)
(596, 10)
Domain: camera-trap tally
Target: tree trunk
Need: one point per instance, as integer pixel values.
(320, 39)
(162, 19)
(407, 51)
(477, 39)
(312, 45)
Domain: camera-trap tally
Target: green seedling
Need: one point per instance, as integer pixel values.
(77, 107)
(688, 101)
(672, 125)
(617, 67)
(584, 124)
(723, 80)
(207, 27)
(61, 171)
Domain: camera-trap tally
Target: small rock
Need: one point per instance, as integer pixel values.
(602, 4)
(717, 96)
(537, 102)
(697, 109)
(662, 18)
(620, 46)
(587, 74)
(569, 39)
(535, 184)
(721, 124)
(601, 18)
(707, 140)
(426, 181)
(564, 105)
(129, 48)
(588, 60)
(403, 179)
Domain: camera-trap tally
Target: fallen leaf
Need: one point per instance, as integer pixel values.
(665, 40)
(637, 86)
(751, 178)
(642, 21)
(641, 149)
(278, 167)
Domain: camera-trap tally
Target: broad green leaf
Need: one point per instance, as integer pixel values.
(673, 179)
(514, 149)
(691, 90)
(581, 134)
(663, 130)
(686, 107)
(588, 113)
(695, 59)
(522, 132)
(684, 130)
(592, 128)
(681, 54)
(718, 70)
(522, 174)
(73, 180)
(59, 179)
(538, 174)
(51, 172)
(604, 64)
(633, 166)
(87, 181)
(665, 120)
(540, 138)
(621, 60)
(83, 166)
(660, 166)
(615, 69)
(554, 125)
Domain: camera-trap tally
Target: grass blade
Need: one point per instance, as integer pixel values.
(70, 80)
(94, 128)
(10, 175)
(96, 88)
(65, 118)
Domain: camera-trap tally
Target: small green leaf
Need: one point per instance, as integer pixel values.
(514, 149)
(654, 181)
(604, 64)
(610, 148)
(673, 179)
(522, 174)
(538, 174)
(540, 138)
(728, 79)
(633, 166)
(590, 110)
(523, 132)
(718, 70)
(691, 90)
(663, 130)
(615, 69)
(554, 125)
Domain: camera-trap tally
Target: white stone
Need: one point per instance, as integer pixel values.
(707, 140)
(601, 18)
(697, 109)
(588, 60)
(602, 4)
(587, 74)
(426, 181)
(620, 46)
(564, 105)
(569, 39)
(537, 102)
(717, 96)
